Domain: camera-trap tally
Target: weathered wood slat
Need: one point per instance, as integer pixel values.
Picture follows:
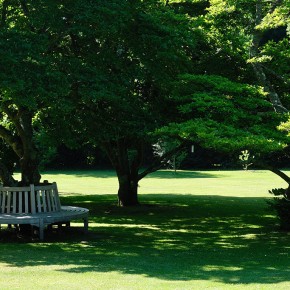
(14, 209)
(44, 200)
(3, 202)
(48, 194)
(38, 201)
(57, 200)
(8, 203)
(26, 208)
(54, 204)
(20, 202)
(32, 200)
(24, 188)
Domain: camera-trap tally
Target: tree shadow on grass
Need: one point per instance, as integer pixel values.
(172, 237)
(158, 174)
(184, 174)
(84, 173)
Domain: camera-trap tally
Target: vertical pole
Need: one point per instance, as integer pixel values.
(174, 163)
(41, 229)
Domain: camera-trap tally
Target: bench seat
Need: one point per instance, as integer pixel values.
(42, 212)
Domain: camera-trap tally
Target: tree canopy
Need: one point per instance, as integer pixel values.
(122, 75)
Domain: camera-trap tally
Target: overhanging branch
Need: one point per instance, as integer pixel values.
(275, 170)
(159, 162)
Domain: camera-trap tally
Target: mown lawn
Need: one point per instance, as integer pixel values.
(194, 230)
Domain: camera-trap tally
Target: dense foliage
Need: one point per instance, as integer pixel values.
(124, 75)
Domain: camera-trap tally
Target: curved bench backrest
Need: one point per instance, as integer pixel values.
(31, 199)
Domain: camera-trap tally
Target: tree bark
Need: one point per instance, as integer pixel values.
(29, 162)
(29, 171)
(23, 143)
(128, 190)
(259, 68)
(126, 167)
(6, 176)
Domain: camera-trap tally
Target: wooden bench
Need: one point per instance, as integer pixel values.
(38, 206)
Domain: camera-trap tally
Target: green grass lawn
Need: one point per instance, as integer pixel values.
(195, 230)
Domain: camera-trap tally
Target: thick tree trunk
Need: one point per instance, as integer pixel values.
(128, 190)
(127, 168)
(29, 160)
(29, 171)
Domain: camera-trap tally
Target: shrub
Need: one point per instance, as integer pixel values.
(281, 204)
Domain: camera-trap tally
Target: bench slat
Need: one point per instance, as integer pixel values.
(3, 202)
(25, 188)
(14, 201)
(48, 193)
(58, 205)
(20, 203)
(32, 199)
(38, 201)
(8, 203)
(44, 200)
(26, 202)
(52, 196)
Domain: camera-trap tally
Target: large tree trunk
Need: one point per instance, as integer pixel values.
(29, 160)
(128, 190)
(29, 171)
(127, 167)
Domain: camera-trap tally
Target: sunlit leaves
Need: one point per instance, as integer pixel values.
(225, 116)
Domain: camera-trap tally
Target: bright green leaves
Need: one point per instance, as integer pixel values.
(28, 76)
(223, 137)
(219, 98)
(224, 115)
(278, 16)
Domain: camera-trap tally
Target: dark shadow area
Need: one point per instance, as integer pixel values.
(170, 237)
(84, 173)
(183, 174)
(158, 174)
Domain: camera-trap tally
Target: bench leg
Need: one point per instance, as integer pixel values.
(41, 230)
(86, 225)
